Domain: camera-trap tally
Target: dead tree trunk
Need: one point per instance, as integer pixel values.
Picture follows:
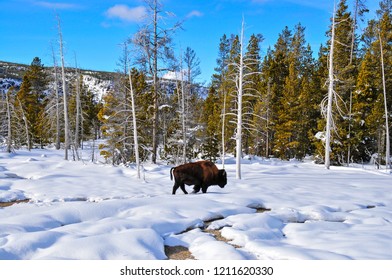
(56, 89)
(330, 98)
(65, 97)
(135, 138)
(387, 142)
(9, 133)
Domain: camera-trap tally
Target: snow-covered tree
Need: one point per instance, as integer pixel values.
(153, 42)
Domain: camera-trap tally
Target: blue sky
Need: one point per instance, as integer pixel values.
(93, 30)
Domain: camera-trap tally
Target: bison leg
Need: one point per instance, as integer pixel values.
(204, 189)
(175, 187)
(183, 188)
(196, 188)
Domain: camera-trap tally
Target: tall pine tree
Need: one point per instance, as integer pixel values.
(30, 101)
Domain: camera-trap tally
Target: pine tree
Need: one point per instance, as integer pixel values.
(344, 77)
(119, 146)
(278, 72)
(264, 108)
(287, 125)
(295, 109)
(90, 108)
(365, 98)
(369, 99)
(111, 128)
(220, 83)
(309, 98)
(231, 87)
(30, 100)
(252, 92)
(211, 121)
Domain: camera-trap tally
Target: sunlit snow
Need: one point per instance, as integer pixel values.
(84, 210)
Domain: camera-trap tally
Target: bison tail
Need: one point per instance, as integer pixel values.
(171, 173)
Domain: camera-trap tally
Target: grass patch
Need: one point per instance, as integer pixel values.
(10, 203)
(178, 253)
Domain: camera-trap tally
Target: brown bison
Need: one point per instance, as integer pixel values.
(201, 174)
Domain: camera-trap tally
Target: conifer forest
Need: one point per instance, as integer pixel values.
(333, 104)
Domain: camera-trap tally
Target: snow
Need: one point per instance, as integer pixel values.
(98, 86)
(175, 76)
(88, 211)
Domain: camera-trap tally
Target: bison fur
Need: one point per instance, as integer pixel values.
(201, 175)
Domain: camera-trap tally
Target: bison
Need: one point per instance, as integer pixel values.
(201, 174)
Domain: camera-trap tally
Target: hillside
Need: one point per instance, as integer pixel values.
(98, 82)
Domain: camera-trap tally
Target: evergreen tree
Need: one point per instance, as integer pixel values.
(263, 107)
(111, 129)
(210, 119)
(309, 98)
(114, 118)
(89, 106)
(31, 101)
(219, 77)
(219, 82)
(231, 87)
(252, 92)
(344, 74)
(278, 72)
(294, 121)
(369, 118)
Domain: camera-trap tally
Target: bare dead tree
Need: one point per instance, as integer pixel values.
(57, 97)
(9, 122)
(238, 136)
(153, 43)
(26, 124)
(135, 138)
(330, 97)
(387, 143)
(242, 70)
(65, 96)
(78, 111)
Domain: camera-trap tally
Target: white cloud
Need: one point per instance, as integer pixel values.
(194, 13)
(127, 14)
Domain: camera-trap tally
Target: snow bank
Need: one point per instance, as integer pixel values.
(81, 210)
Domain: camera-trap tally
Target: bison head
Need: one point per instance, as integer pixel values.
(222, 178)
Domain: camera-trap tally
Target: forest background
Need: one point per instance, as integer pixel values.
(282, 104)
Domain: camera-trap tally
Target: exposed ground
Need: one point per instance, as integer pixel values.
(10, 203)
(183, 253)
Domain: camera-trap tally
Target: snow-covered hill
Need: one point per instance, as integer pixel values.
(97, 82)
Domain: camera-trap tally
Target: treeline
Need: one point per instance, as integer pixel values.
(32, 114)
(286, 94)
(283, 97)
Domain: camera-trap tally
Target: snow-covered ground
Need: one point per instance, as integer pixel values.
(80, 210)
